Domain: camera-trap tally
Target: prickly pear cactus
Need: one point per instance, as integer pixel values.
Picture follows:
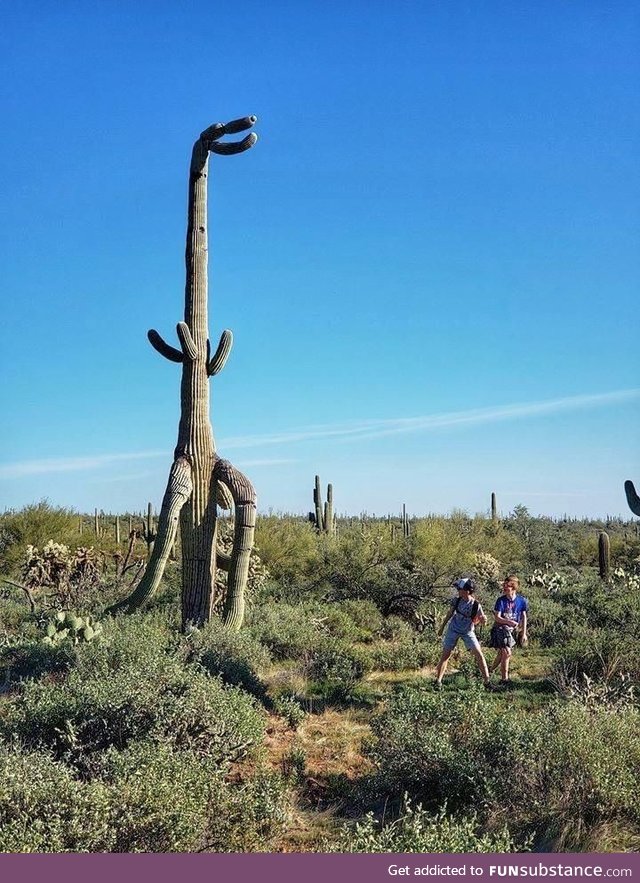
(68, 626)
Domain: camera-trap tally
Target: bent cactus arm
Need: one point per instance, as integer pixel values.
(244, 497)
(178, 491)
(632, 498)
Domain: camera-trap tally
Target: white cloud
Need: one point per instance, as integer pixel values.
(71, 464)
(368, 429)
(345, 432)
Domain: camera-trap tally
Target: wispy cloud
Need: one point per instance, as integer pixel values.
(340, 432)
(368, 429)
(25, 468)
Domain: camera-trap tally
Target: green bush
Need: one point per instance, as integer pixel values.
(34, 525)
(287, 630)
(148, 798)
(579, 767)
(133, 686)
(419, 831)
(336, 669)
(236, 657)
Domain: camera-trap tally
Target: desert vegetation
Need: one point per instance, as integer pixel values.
(316, 726)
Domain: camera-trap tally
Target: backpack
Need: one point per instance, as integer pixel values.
(474, 609)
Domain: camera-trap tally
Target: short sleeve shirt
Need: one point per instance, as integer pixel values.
(461, 622)
(511, 608)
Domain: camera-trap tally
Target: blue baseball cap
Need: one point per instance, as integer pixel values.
(465, 583)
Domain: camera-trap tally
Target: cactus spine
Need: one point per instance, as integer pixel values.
(198, 478)
(604, 554)
(632, 498)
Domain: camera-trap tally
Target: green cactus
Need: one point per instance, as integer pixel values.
(199, 479)
(323, 518)
(494, 507)
(67, 626)
(604, 555)
(632, 498)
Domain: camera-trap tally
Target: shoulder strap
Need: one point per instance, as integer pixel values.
(474, 608)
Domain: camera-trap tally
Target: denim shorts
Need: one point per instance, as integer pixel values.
(450, 640)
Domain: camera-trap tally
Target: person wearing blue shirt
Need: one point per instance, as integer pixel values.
(510, 616)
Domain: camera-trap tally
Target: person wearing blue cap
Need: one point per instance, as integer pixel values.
(464, 613)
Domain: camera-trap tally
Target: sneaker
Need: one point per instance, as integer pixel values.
(489, 687)
(506, 685)
(437, 686)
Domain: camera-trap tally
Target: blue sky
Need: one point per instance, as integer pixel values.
(429, 260)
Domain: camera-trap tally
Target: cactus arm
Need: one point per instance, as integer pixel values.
(223, 561)
(169, 352)
(224, 499)
(228, 148)
(219, 360)
(179, 488)
(186, 341)
(632, 498)
(244, 497)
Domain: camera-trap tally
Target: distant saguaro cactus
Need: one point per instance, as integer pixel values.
(604, 554)
(494, 507)
(632, 498)
(198, 478)
(323, 517)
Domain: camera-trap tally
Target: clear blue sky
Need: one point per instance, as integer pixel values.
(430, 260)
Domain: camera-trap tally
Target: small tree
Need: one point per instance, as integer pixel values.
(199, 479)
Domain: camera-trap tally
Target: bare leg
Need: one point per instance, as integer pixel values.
(482, 664)
(442, 665)
(504, 662)
(496, 662)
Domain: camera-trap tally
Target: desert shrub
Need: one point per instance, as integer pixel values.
(602, 655)
(549, 622)
(147, 798)
(288, 706)
(411, 652)
(129, 689)
(579, 766)
(234, 656)
(335, 668)
(421, 746)
(251, 815)
(287, 630)
(34, 525)
(44, 809)
(419, 831)
(288, 548)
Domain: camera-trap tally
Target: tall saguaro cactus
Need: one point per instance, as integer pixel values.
(199, 479)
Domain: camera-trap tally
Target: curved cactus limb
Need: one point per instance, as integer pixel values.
(224, 499)
(244, 497)
(632, 498)
(162, 347)
(186, 341)
(219, 359)
(178, 491)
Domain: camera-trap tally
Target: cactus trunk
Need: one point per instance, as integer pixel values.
(494, 507)
(604, 549)
(198, 477)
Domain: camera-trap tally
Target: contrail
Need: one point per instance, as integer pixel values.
(354, 431)
(368, 429)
